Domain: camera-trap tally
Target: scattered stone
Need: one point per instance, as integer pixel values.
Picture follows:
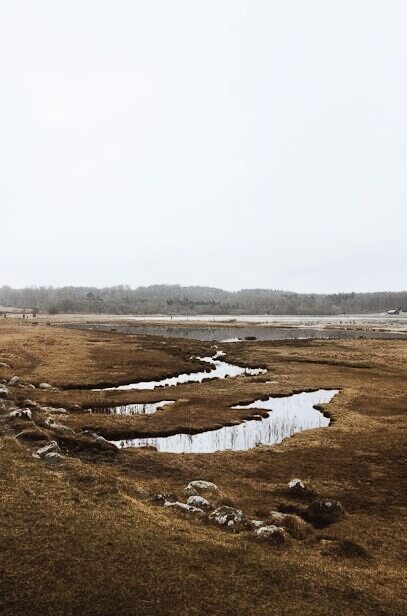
(30, 404)
(53, 457)
(255, 524)
(198, 501)
(4, 392)
(161, 499)
(194, 487)
(30, 386)
(297, 486)
(56, 426)
(4, 365)
(271, 533)
(45, 386)
(49, 448)
(21, 414)
(324, 511)
(184, 508)
(229, 517)
(14, 380)
(76, 407)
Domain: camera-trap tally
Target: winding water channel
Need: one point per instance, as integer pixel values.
(220, 370)
(288, 415)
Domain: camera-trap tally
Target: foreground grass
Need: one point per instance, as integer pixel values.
(84, 537)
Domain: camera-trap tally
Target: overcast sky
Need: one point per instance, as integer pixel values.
(251, 143)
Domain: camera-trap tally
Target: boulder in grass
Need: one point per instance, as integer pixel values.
(4, 365)
(271, 534)
(255, 524)
(324, 511)
(20, 414)
(49, 448)
(53, 457)
(228, 517)
(14, 380)
(184, 508)
(198, 501)
(297, 486)
(45, 386)
(199, 485)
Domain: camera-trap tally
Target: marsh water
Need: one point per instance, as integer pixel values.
(225, 333)
(287, 416)
(219, 370)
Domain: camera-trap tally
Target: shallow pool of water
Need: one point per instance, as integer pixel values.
(220, 370)
(287, 416)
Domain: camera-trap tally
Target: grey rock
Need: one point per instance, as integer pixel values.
(274, 534)
(51, 447)
(21, 414)
(45, 386)
(324, 511)
(184, 508)
(199, 485)
(53, 457)
(14, 380)
(198, 501)
(255, 524)
(56, 426)
(4, 365)
(228, 517)
(296, 485)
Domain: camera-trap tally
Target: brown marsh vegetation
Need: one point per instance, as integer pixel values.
(86, 537)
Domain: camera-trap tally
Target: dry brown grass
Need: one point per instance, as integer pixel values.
(86, 538)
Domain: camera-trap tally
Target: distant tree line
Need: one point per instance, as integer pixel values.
(175, 299)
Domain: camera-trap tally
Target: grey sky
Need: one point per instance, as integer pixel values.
(219, 142)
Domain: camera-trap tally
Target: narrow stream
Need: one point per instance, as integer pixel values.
(287, 416)
(220, 370)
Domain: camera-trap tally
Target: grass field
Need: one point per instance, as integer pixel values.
(86, 536)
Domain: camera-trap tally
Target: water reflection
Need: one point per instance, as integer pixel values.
(220, 370)
(288, 415)
(147, 408)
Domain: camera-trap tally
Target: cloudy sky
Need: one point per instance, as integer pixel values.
(231, 143)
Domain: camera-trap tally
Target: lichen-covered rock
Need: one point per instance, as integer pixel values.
(199, 485)
(56, 426)
(324, 511)
(45, 386)
(297, 486)
(14, 380)
(228, 517)
(184, 508)
(255, 524)
(198, 501)
(51, 447)
(21, 414)
(53, 457)
(271, 533)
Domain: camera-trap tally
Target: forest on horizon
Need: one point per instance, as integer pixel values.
(177, 299)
